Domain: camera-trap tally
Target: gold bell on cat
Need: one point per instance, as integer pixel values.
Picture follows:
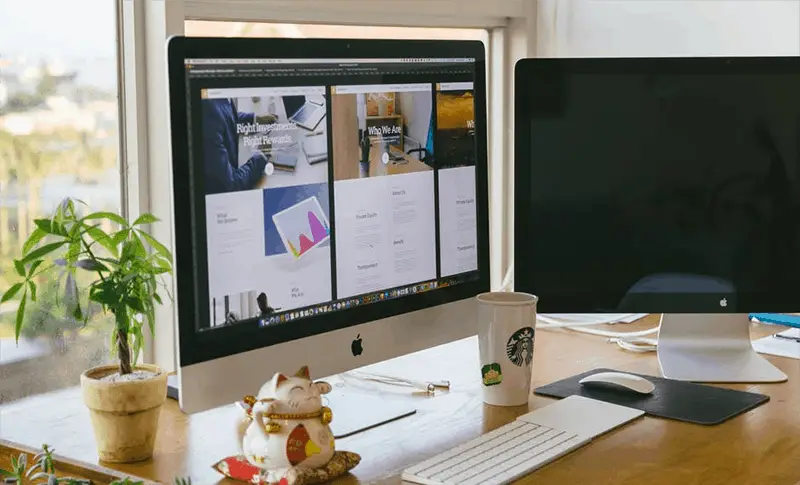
(327, 415)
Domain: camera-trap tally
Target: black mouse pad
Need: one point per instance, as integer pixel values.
(679, 400)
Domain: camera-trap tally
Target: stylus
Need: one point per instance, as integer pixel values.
(786, 337)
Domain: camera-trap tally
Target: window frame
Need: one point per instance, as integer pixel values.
(144, 127)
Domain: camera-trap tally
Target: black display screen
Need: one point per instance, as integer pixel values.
(658, 185)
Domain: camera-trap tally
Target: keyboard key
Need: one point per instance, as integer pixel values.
(417, 469)
(482, 452)
(500, 457)
(495, 474)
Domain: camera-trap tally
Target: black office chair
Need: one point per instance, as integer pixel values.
(425, 156)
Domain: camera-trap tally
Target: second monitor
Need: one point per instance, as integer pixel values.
(663, 186)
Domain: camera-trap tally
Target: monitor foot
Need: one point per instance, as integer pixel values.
(172, 387)
(354, 411)
(711, 348)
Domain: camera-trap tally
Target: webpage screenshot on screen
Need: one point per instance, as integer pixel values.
(323, 193)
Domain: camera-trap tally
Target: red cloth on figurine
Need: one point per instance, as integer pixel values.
(238, 468)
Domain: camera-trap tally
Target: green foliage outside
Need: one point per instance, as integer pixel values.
(26, 161)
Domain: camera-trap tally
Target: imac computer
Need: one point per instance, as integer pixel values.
(667, 186)
(330, 205)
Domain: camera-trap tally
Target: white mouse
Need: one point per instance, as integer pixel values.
(626, 381)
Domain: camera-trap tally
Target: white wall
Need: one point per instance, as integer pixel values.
(641, 28)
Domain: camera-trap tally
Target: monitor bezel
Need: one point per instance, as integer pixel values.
(202, 346)
(525, 73)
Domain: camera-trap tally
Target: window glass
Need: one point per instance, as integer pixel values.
(58, 138)
(202, 28)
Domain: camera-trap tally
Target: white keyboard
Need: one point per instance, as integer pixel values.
(525, 445)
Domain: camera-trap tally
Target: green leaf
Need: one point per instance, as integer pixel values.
(36, 236)
(32, 287)
(77, 313)
(157, 298)
(42, 251)
(20, 267)
(104, 297)
(107, 215)
(5, 473)
(102, 239)
(20, 315)
(11, 292)
(34, 266)
(138, 246)
(74, 251)
(138, 339)
(51, 227)
(157, 246)
(130, 250)
(151, 319)
(145, 218)
(135, 304)
(91, 265)
(120, 236)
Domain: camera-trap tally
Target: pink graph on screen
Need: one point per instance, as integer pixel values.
(319, 232)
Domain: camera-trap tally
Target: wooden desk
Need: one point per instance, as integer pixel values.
(760, 447)
(377, 167)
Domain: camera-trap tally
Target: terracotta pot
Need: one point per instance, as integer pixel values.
(124, 413)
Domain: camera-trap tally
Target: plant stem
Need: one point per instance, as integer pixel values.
(92, 256)
(123, 352)
(123, 347)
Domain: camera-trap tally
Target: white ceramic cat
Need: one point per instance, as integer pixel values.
(286, 426)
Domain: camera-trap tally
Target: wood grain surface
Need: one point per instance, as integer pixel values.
(759, 447)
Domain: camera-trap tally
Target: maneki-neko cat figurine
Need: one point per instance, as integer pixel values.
(285, 426)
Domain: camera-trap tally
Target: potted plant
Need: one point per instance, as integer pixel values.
(122, 271)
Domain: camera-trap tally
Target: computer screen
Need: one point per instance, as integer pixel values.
(658, 185)
(327, 186)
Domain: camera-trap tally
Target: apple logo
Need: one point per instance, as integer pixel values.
(723, 302)
(356, 346)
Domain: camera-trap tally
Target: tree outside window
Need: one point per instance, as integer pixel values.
(58, 138)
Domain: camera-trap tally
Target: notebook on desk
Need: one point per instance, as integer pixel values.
(284, 161)
(316, 148)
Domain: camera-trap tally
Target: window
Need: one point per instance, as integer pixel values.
(58, 138)
(202, 28)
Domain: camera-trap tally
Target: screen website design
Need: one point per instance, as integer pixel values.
(324, 192)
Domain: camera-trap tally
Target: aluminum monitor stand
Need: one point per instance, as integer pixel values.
(711, 348)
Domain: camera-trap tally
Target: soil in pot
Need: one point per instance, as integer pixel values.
(124, 410)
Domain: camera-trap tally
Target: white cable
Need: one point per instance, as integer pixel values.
(547, 323)
(427, 386)
(637, 344)
(632, 341)
(603, 333)
(507, 282)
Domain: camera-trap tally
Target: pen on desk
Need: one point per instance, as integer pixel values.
(786, 337)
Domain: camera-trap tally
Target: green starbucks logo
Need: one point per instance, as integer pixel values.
(520, 347)
(492, 374)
